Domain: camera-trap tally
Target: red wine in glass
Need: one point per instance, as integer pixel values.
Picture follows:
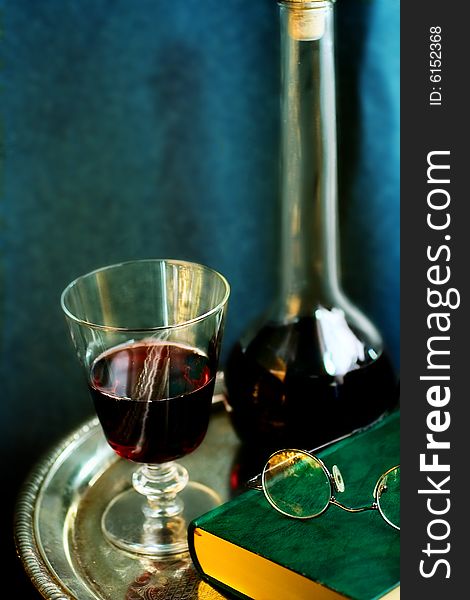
(153, 399)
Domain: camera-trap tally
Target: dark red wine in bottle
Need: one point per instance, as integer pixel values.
(153, 399)
(281, 393)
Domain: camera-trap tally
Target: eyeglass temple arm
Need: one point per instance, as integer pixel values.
(255, 482)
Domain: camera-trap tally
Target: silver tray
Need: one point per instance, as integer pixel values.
(57, 522)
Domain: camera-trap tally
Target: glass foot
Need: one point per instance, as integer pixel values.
(128, 524)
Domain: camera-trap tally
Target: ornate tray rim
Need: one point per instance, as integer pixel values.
(24, 529)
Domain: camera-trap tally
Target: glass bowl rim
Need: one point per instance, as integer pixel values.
(172, 261)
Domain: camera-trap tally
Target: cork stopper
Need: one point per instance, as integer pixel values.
(307, 18)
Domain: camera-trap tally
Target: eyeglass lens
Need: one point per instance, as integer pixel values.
(388, 496)
(295, 483)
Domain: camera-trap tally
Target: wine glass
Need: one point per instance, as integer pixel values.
(148, 335)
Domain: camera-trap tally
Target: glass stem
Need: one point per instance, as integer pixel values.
(160, 484)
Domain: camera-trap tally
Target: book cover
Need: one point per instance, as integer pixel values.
(248, 548)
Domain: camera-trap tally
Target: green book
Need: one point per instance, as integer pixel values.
(249, 549)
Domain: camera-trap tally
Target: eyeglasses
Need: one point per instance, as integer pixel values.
(299, 485)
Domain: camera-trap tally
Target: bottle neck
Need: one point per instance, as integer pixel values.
(309, 264)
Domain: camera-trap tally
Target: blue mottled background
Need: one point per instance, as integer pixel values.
(150, 128)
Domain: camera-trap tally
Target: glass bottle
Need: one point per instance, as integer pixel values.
(314, 368)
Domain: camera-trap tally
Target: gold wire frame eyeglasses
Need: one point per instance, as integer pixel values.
(299, 485)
